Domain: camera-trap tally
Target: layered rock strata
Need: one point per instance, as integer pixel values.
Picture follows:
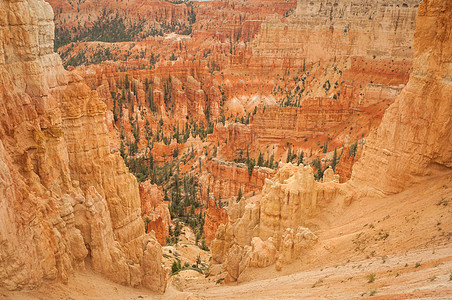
(415, 135)
(413, 141)
(323, 29)
(154, 211)
(224, 179)
(66, 201)
(271, 228)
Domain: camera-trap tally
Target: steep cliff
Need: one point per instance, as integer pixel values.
(225, 179)
(415, 135)
(323, 29)
(271, 228)
(215, 215)
(154, 211)
(412, 142)
(66, 201)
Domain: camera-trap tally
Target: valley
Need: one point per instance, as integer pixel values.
(225, 149)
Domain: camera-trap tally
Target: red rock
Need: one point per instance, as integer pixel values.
(214, 217)
(154, 210)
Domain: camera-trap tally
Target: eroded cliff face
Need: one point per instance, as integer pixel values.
(224, 179)
(271, 228)
(415, 135)
(215, 215)
(413, 141)
(322, 29)
(66, 201)
(154, 211)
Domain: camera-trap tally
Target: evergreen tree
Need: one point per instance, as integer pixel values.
(300, 158)
(334, 162)
(126, 82)
(122, 150)
(289, 155)
(270, 162)
(260, 160)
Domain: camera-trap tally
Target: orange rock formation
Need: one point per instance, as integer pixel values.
(414, 137)
(215, 216)
(154, 211)
(65, 199)
(412, 141)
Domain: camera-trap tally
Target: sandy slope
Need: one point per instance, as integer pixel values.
(404, 239)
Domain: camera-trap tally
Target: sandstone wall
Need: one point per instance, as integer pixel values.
(323, 29)
(345, 166)
(155, 211)
(271, 228)
(65, 200)
(215, 215)
(225, 179)
(414, 138)
(315, 118)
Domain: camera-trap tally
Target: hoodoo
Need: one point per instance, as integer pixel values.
(250, 149)
(66, 200)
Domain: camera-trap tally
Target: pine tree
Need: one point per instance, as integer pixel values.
(334, 162)
(126, 82)
(270, 163)
(260, 160)
(289, 155)
(300, 158)
(122, 150)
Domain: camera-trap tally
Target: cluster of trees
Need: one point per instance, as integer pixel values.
(185, 205)
(197, 266)
(352, 150)
(293, 157)
(110, 27)
(251, 162)
(316, 163)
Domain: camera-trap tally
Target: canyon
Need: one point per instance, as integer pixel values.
(184, 149)
(67, 202)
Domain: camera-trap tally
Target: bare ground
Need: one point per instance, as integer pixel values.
(394, 247)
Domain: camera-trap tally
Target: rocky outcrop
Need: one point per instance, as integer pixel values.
(414, 138)
(330, 176)
(346, 162)
(154, 211)
(270, 228)
(224, 179)
(234, 139)
(322, 29)
(65, 199)
(215, 215)
(315, 118)
(412, 141)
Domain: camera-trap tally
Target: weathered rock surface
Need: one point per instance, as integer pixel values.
(225, 179)
(412, 141)
(65, 199)
(414, 138)
(320, 29)
(154, 211)
(345, 165)
(270, 228)
(215, 215)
